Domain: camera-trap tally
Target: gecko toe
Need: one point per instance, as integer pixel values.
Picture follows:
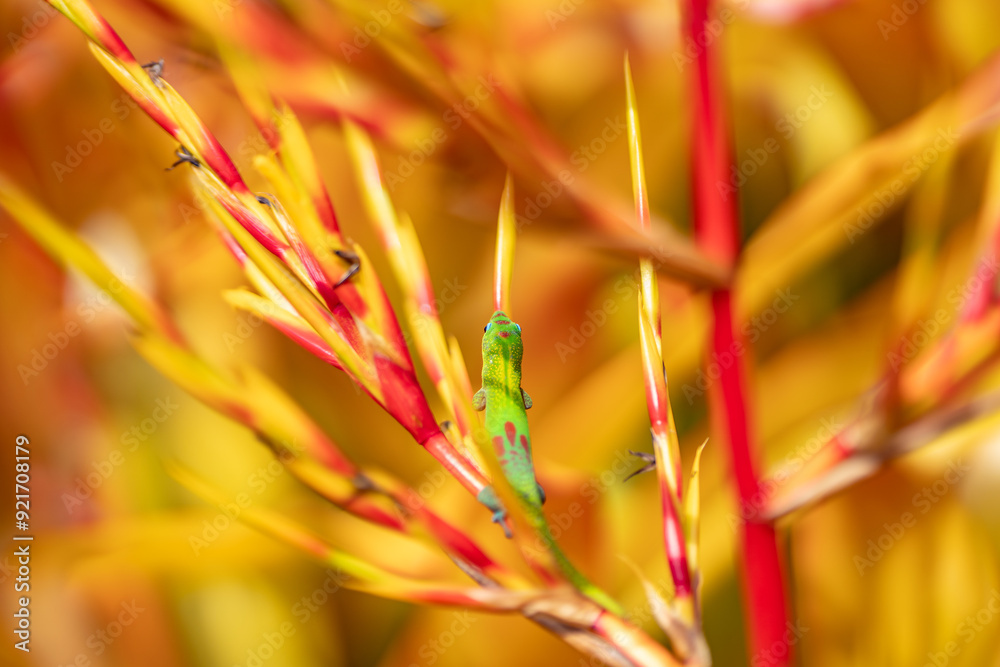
(500, 518)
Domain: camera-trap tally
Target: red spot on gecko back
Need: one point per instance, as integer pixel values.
(498, 446)
(503, 334)
(511, 432)
(524, 443)
(501, 321)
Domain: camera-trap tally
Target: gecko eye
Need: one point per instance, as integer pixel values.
(487, 327)
(518, 327)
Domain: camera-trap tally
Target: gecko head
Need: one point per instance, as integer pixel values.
(501, 332)
(502, 326)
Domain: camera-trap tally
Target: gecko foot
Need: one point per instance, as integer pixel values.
(488, 497)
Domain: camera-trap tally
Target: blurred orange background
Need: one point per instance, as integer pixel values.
(128, 568)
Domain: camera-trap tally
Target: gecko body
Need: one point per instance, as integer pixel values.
(506, 405)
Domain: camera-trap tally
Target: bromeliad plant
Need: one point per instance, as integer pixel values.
(321, 291)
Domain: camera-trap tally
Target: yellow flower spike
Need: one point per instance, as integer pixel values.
(364, 576)
(363, 295)
(374, 196)
(299, 208)
(640, 193)
(459, 369)
(658, 404)
(137, 83)
(81, 14)
(360, 370)
(253, 217)
(251, 399)
(162, 103)
(380, 317)
(465, 416)
(248, 81)
(290, 324)
(400, 242)
(282, 528)
(298, 160)
(411, 253)
(265, 286)
(191, 374)
(430, 338)
(294, 215)
(506, 240)
(681, 623)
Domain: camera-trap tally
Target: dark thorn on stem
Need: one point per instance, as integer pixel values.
(355, 261)
(650, 460)
(183, 156)
(363, 483)
(155, 70)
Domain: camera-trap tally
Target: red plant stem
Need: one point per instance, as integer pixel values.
(456, 464)
(717, 233)
(674, 545)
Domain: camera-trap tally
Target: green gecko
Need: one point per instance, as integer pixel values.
(506, 404)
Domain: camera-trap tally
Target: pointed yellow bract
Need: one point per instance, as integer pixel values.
(680, 619)
(692, 519)
(506, 241)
